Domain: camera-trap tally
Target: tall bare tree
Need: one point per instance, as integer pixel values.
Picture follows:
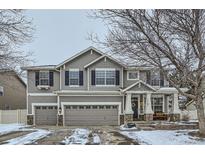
(171, 40)
(15, 30)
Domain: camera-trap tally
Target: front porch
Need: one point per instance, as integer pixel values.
(150, 106)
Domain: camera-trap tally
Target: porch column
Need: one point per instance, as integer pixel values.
(175, 114)
(128, 108)
(175, 109)
(148, 109)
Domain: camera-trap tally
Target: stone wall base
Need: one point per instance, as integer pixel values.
(174, 117)
(30, 120)
(148, 117)
(60, 120)
(128, 117)
(122, 119)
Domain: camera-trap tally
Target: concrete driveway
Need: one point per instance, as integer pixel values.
(109, 135)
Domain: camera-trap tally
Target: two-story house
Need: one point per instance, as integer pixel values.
(92, 88)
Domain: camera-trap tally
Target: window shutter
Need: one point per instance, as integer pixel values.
(81, 78)
(37, 78)
(117, 77)
(67, 78)
(93, 77)
(51, 78)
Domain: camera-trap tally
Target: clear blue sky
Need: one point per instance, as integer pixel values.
(61, 33)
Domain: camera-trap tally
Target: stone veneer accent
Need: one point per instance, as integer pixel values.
(30, 120)
(174, 117)
(60, 120)
(128, 117)
(148, 117)
(122, 119)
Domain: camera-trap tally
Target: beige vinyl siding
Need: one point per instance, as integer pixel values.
(14, 96)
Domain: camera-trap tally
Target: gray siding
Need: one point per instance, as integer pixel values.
(32, 87)
(87, 99)
(40, 99)
(141, 88)
(79, 63)
(127, 83)
(105, 64)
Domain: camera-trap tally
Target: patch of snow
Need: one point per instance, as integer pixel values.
(80, 136)
(124, 127)
(96, 139)
(163, 137)
(7, 128)
(29, 138)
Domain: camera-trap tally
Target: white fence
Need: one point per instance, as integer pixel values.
(12, 116)
(192, 114)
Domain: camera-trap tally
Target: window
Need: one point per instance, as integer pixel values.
(38, 107)
(114, 107)
(105, 77)
(44, 78)
(44, 107)
(94, 107)
(68, 107)
(50, 107)
(74, 77)
(81, 107)
(101, 107)
(88, 107)
(1, 91)
(132, 75)
(74, 107)
(157, 104)
(108, 107)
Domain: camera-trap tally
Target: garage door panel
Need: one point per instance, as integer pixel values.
(91, 116)
(45, 115)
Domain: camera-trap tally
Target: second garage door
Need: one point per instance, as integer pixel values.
(76, 115)
(46, 115)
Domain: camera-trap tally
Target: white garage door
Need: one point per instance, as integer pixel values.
(75, 115)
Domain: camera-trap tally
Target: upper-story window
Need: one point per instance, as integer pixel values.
(74, 77)
(1, 91)
(105, 77)
(44, 78)
(133, 75)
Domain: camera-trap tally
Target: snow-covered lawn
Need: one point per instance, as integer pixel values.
(29, 138)
(7, 128)
(163, 137)
(79, 136)
(32, 137)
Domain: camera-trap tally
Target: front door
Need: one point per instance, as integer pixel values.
(135, 107)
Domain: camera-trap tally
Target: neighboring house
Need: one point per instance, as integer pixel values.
(12, 91)
(92, 88)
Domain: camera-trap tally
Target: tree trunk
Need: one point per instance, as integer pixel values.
(201, 115)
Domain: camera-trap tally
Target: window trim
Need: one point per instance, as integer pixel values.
(138, 75)
(105, 69)
(74, 70)
(43, 71)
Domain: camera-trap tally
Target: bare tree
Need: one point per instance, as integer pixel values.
(15, 30)
(171, 40)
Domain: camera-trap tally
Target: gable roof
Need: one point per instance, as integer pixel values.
(45, 67)
(101, 57)
(78, 54)
(134, 84)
